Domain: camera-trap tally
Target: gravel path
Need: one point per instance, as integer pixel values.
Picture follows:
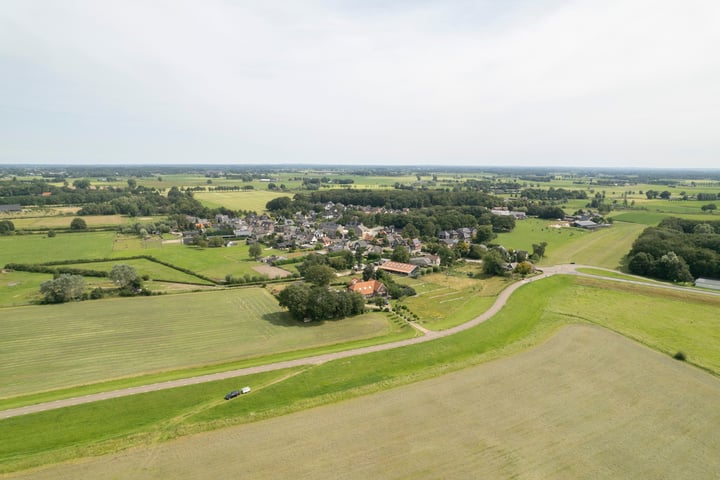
(319, 359)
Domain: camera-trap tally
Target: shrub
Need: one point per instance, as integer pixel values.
(680, 356)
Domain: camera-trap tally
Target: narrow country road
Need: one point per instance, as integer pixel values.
(319, 359)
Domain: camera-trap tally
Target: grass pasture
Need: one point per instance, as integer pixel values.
(56, 346)
(586, 403)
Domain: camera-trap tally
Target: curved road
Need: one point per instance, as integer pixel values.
(319, 359)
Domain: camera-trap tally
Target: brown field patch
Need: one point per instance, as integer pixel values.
(272, 272)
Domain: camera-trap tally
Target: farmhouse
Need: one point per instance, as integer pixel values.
(368, 289)
(400, 268)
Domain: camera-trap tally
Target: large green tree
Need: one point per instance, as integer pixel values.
(78, 224)
(400, 254)
(6, 227)
(494, 263)
(125, 276)
(319, 275)
(64, 288)
(255, 251)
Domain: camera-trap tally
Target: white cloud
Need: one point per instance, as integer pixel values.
(556, 82)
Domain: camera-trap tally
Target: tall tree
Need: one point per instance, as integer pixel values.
(125, 276)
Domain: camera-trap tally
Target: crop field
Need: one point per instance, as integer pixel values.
(251, 201)
(65, 246)
(54, 346)
(444, 301)
(586, 403)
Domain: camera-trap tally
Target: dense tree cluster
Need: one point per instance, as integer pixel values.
(677, 250)
(6, 227)
(556, 194)
(64, 288)
(316, 303)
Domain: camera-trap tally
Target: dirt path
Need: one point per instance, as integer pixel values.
(319, 359)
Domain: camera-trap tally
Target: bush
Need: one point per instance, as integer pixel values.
(680, 356)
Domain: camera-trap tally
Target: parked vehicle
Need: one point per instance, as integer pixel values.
(232, 395)
(245, 390)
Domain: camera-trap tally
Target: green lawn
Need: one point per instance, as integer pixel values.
(155, 270)
(54, 346)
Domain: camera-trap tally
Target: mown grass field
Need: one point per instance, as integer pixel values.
(534, 313)
(585, 404)
(55, 346)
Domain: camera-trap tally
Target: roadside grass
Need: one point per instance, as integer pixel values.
(50, 347)
(616, 274)
(667, 322)
(65, 246)
(444, 301)
(586, 403)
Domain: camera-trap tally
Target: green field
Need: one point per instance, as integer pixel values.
(585, 404)
(50, 222)
(250, 201)
(444, 301)
(534, 313)
(155, 270)
(604, 247)
(65, 246)
(54, 346)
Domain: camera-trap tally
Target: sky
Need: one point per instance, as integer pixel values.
(584, 83)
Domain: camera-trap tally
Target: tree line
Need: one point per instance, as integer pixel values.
(678, 250)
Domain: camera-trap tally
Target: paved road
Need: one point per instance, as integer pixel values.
(315, 360)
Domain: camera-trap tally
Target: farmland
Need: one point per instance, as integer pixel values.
(533, 314)
(51, 347)
(584, 401)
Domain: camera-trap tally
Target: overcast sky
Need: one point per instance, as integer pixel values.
(362, 82)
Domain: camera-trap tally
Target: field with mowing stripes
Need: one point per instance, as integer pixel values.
(585, 404)
(54, 346)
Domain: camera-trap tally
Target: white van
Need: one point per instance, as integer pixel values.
(245, 390)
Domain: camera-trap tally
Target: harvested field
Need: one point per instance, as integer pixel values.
(587, 403)
(271, 272)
